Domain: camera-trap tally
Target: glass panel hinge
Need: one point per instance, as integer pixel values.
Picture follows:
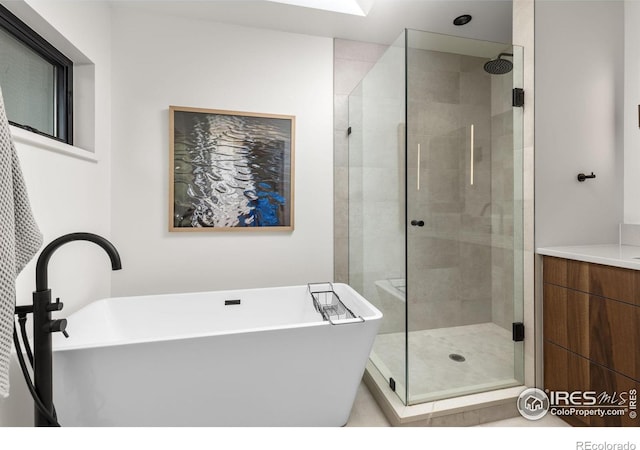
(518, 331)
(518, 97)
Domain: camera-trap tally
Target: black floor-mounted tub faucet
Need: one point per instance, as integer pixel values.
(43, 325)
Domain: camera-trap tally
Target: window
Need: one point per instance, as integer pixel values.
(36, 81)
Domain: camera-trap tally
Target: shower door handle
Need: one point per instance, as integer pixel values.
(471, 156)
(418, 170)
(417, 223)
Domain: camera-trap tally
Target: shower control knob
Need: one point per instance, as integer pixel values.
(58, 325)
(417, 223)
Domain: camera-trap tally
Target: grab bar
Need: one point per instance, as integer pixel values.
(327, 302)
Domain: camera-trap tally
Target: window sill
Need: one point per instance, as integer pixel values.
(27, 137)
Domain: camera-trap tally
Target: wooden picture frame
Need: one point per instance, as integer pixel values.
(230, 170)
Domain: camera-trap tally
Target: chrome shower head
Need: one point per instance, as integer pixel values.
(499, 66)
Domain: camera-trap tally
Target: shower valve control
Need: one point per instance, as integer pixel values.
(417, 223)
(59, 325)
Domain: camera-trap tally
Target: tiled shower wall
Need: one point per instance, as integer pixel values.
(377, 187)
(449, 262)
(352, 61)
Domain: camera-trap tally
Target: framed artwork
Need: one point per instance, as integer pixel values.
(230, 171)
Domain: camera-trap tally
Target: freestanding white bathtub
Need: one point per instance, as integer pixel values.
(258, 357)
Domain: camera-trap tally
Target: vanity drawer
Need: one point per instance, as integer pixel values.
(568, 372)
(606, 281)
(603, 330)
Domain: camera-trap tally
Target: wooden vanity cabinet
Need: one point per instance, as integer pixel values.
(591, 332)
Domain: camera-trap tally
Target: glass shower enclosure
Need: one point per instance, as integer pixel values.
(435, 213)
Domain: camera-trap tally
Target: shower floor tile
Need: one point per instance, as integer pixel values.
(487, 349)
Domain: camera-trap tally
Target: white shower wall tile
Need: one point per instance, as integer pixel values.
(341, 113)
(358, 51)
(352, 60)
(351, 73)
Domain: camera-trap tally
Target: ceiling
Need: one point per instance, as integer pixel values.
(387, 18)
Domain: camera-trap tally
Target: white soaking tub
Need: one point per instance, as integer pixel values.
(256, 357)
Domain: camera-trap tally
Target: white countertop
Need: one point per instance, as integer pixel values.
(627, 256)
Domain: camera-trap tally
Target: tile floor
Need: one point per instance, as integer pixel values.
(367, 413)
(487, 349)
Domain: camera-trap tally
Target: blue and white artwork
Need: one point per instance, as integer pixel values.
(231, 170)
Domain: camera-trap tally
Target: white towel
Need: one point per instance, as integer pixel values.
(20, 239)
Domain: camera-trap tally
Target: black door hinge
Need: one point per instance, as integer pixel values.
(518, 97)
(348, 131)
(392, 384)
(518, 331)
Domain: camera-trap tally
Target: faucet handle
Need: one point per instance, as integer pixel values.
(57, 306)
(59, 325)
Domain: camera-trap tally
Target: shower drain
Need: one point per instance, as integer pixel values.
(457, 358)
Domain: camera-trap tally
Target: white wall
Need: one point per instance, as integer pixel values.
(579, 63)
(631, 102)
(160, 61)
(67, 193)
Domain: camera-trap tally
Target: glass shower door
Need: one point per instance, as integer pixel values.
(464, 212)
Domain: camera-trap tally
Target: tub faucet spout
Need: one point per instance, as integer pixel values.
(44, 326)
(43, 260)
